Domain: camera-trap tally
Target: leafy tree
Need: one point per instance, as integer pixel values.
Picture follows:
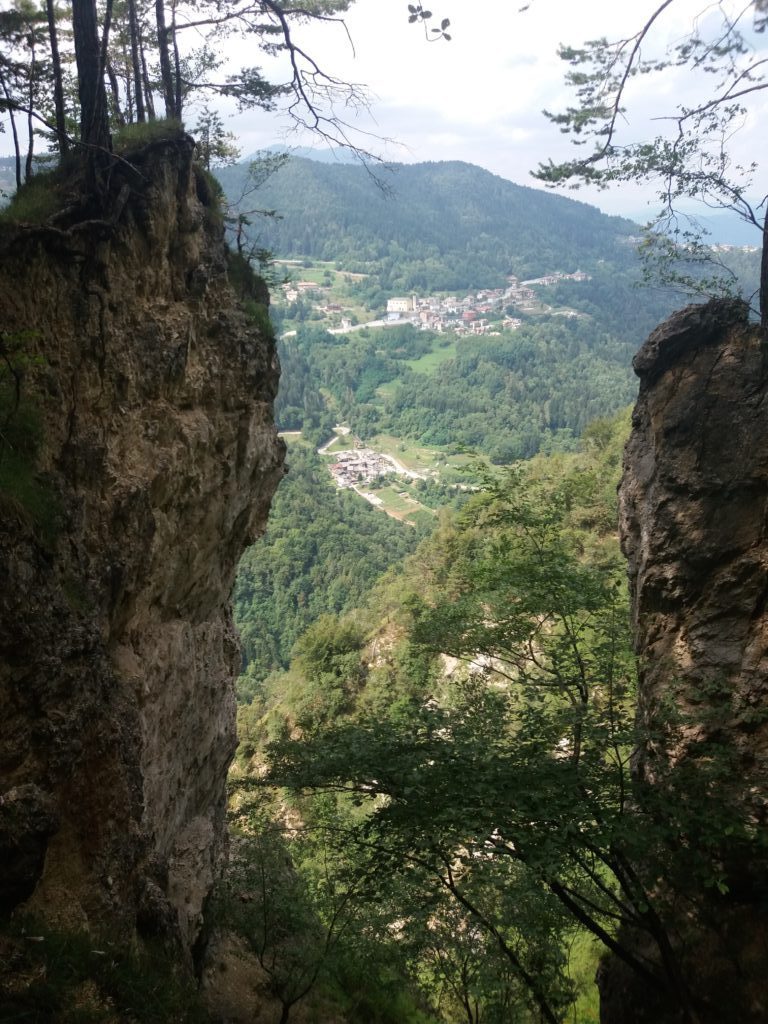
(504, 791)
(123, 42)
(323, 922)
(291, 907)
(508, 779)
(240, 211)
(691, 160)
(24, 74)
(215, 146)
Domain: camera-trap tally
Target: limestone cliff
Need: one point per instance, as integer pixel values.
(694, 501)
(151, 390)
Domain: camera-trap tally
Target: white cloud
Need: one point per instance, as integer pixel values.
(480, 97)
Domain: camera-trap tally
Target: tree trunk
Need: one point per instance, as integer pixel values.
(138, 91)
(94, 127)
(764, 277)
(14, 131)
(114, 87)
(176, 67)
(31, 104)
(148, 100)
(166, 72)
(58, 83)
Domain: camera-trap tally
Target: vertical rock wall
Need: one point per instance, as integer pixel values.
(694, 512)
(152, 394)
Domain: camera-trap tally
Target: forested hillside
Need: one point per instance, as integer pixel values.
(431, 795)
(322, 552)
(434, 226)
(403, 762)
(503, 396)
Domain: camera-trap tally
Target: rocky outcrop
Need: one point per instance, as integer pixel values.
(149, 392)
(694, 507)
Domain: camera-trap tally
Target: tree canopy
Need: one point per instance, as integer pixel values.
(102, 66)
(473, 729)
(722, 62)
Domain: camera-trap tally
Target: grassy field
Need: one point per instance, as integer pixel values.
(314, 273)
(428, 363)
(342, 443)
(445, 349)
(386, 391)
(418, 458)
(426, 460)
(399, 506)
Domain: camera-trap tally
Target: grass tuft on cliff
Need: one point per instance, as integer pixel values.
(252, 291)
(135, 136)
(36, 201)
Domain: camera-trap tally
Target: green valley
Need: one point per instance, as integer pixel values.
(501, 319)
(384, 617)
(438, 680)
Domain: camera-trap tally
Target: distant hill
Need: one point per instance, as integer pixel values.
(720, 227)
(437, 226)
(326, 155)
(727, 228)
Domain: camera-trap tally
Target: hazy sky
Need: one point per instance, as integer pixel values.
(479, 97)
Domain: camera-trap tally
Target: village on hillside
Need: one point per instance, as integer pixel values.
(483, 312)
(472, 314)
(362, 465)
(363, 470)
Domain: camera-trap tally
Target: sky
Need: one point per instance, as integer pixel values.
(480, 96)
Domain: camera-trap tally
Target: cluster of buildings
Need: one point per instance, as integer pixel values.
(294, 289)
(472, 314)
(481, 313)
(361, 466)
(467, 315)
(724, 247)
(549, 279)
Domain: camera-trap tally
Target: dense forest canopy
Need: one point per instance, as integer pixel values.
(504, 397)
(415, 759)
(323, 551)
(438, 226)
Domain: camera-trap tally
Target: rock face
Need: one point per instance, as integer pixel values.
(694, 504)
(151, 391)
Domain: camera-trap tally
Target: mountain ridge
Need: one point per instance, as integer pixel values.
(477, 226)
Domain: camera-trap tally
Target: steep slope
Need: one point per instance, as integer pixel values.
(137, 465)
(470, 221)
